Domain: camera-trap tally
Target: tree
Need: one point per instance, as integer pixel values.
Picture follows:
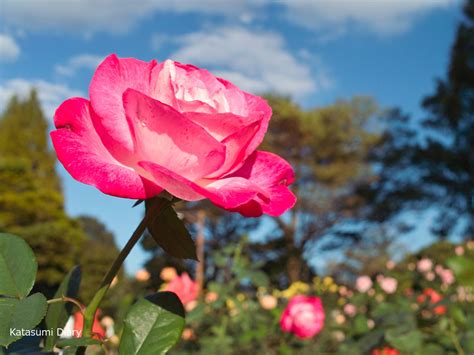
(98, 252)
(367, 257)
(429, 164)
(448, 155)
(31, 201)
(219, 227)
(328, 148)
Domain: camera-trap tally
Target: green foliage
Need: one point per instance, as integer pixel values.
(170, 233)
(328, 148)
(16, 255)
(463, 269)
(153, 325)
(234, 320)
(97, 253)
(58, 313)
(17, 274)
(23, 135)
(31, 202)
(428, 163)
(20, 314)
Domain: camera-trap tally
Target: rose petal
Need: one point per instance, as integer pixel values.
(223, 125)
(273, 175)
(81, 151)
(236, 149)
(227, 193)
(166, 137)
(220, 125)
(235, 97)
(112, 77)
(162, 83)
(260, 108)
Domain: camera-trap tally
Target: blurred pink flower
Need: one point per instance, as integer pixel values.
(388, 284)
(185, 288)
(211, 297)
(390, 264)
(303, 316)
(459, 250)
(424, 265)
(447, 276)
(350, 309)
(188, 334)
(363, 283)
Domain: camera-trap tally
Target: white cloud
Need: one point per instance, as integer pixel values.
(116, 16)
(381, 16)
(9, 49)
(256, 61)
(50, 94)
(82, 61)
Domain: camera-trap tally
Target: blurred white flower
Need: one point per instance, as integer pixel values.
(388, 284)
(363, 283)
(424, 265)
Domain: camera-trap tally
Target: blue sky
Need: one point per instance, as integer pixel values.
(314, 50)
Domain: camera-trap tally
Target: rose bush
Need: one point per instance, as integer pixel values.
(383, 323)
(150, 127)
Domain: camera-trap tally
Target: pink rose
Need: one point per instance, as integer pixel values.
(424, 265)
(447, 276)
(303, 316)
(185, 288)
(388, 284)
(350, 309)
(150, 127)
(363, 283)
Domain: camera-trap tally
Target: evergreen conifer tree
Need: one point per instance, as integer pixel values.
(31, 201)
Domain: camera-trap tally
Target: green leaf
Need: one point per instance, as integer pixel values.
(170, 233)
(153, 325)
(370, 340)
(76, 342)
(58, 313)
(27, 345)
(17, 266)
(20, 315)
(409, 342)
(468, 342)
(259, 278)
(360, 324)
(457, 314)
(462, 267)
(431, 349)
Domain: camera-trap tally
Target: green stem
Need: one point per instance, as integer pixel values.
(89, 314)
(68, 299)
(454, 338)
